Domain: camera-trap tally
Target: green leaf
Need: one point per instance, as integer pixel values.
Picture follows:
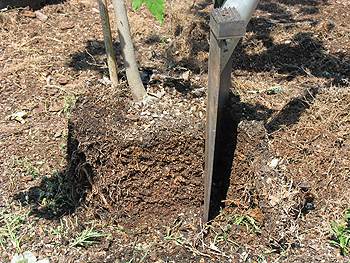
(334, 224)
(331, 230)
(136, 4)
(333, 242)
(156, 7)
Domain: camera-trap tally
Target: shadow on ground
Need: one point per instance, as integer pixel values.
(57, 196)
(50, 199)
(225, 148)
(303, 54)
(91, 57)
(300, 55)
(35, 4)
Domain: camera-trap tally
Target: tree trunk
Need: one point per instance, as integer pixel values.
(132, 73)
(112, 65)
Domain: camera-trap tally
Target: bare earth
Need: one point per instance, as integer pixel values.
(84, 157)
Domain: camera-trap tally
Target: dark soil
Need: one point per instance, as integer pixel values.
(86, 155)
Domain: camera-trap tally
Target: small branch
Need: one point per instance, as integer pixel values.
(60, 88)
(39, 37)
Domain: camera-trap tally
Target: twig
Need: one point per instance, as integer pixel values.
(194, 2)
(276, 88)
(275, 22)
(306, 128)
(328, 171)
(39, 37)
(196, 251)
(58, 87)
(91, 56)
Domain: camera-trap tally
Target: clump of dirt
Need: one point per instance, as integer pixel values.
(137, 160)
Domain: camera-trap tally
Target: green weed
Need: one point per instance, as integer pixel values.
(83, 239)
(61, 230)
(243, 220)
(12, 228)
(341, 232)
(27, 167)
(172, 234)
(86, 238)
(221, 235)
(224, 230)
(53, 193)
(148, 250)
(69, 104)
(51, 197)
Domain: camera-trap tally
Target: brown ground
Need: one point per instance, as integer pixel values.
(87, 156)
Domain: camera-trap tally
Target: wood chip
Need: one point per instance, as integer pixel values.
(55, 108)
(39, 109)
(58, 134)
(62, 80)
(41, 16)
(29, 14)
(67, 26)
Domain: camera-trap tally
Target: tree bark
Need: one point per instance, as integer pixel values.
(112, 65)
(138, 91)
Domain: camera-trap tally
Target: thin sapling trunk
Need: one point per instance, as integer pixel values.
(138, 91)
